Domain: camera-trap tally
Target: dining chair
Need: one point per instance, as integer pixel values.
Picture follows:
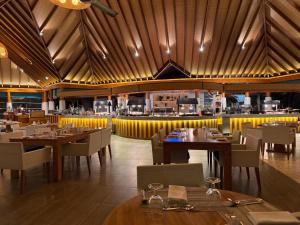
(244, 127)
(13, 156)
(245, 155)
(236, 137)
(105, 142)
(158, 152)
(190, 175)
(162, 134)
(4, 137)
(87, 149)
(279, 135)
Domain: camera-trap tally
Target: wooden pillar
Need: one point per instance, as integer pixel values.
(62, 102)
(148, 102)
(45, 101)
(9, 102)
(109, 104)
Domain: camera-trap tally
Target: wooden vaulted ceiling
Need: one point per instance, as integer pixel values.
(13, 76)
(239, 38)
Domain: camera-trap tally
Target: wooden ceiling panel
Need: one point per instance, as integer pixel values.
(241, 38)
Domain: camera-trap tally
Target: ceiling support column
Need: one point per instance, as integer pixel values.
(247, 100)
(109, 104)
(45, 102)
(148, 102)
(9, 106)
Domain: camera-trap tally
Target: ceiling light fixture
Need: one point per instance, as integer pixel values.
(168, 50)
(53, 61)
(41, 33)
(136, 54)
(21, 70)
(201, 49)
(39, 81)
(71, 4)
(243, 46)
(3, 51)
(46, 78)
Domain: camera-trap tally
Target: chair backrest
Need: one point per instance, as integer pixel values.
(154, 141)
(245, 126)
(162, 134)
(11, 155)
(278, 135)
(170, 174)
(236, 137)
(105, 137)
(253, 143)
(94, 142)
(4, 137)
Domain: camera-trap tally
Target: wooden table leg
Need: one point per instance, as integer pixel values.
(14, 174)
(167, 153)
(227, 169)
(57, 162)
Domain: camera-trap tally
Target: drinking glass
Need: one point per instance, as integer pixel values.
(155, 187)
(212, 192)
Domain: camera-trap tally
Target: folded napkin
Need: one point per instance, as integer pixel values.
(176, 192)
(273, 218)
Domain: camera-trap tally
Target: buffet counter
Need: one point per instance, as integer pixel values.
(144, 127)
(235, 121)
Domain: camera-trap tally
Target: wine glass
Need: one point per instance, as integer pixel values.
(212, 192)
(155, 187)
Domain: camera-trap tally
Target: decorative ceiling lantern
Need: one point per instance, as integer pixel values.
(3, 51)
(71, 4)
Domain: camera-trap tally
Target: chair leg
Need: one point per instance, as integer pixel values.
(258, 177)
(100, 157)
(215, 167)
(248, 172)
(288, 151)
(78, 161)
(22, 181)
(88, 160)
(109, 148)
(48, 171)
(222, 175)
(62, 164)
(1, 171)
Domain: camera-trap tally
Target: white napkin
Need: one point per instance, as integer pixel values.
(273, 218)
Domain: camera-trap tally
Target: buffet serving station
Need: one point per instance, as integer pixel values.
(143, 127)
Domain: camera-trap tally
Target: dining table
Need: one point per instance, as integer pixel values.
(201, 139)
(56, 142)
(205, 212)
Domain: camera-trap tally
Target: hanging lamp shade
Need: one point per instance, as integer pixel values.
(3, 51)
(71, 4)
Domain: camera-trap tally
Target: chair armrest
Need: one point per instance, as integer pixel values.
(238, 147)
(36, 157)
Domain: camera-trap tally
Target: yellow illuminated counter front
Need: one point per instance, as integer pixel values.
(77, 121)
(234, 122)
(145, 127)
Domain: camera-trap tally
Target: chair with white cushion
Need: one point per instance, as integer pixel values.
(245, 155)
(105, 142)
(190, 175)
(12, 156)
(87, 149)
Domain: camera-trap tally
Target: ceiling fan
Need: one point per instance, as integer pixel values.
(104, 8)
(83, 4)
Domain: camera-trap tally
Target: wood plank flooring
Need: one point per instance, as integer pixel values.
(83, 200)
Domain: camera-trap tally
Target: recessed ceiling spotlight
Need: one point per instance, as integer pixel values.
(168, 51)
(46, 78)
(21, 70)
(104, 56)
(30, 62)
(201, 49)
(41, 33)
(39, 81)
(243, 46)
(53, 61)
(136, 54)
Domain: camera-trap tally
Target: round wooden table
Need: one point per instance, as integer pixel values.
(131, 212)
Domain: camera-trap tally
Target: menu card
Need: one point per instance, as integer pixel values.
(177, 193)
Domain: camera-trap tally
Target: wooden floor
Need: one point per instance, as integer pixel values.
(83, 200)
